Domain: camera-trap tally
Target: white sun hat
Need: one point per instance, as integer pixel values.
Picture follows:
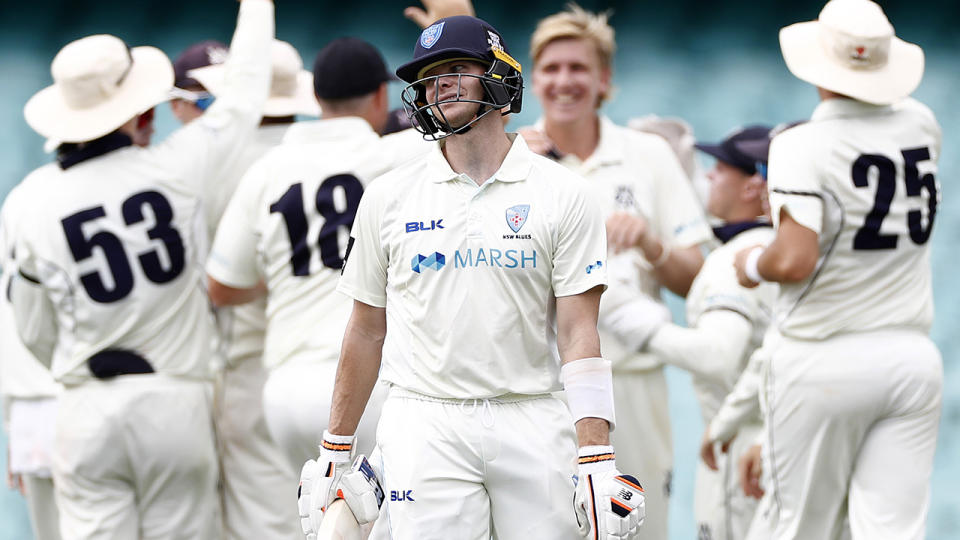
(98, 85)
(291, 87)
(851, 49)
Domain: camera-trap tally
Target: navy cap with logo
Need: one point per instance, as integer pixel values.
(348, 67)
(198, 55)
(743, 148)
(461, 36)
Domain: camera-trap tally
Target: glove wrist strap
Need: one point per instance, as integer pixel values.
(595, 459)
(336, 448)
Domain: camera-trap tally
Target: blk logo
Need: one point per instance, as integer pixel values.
(415, 226)
(401, 496)
(436, 261)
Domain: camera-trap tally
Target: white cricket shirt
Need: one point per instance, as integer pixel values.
(21, 375)
(243, 327)
(863, 177)
(119, 249)
(638, 173)
(289, 224)
(469, 274)
(716, 289)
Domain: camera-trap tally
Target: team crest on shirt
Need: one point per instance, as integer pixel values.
(430, 36)
(624, 197)
(517, 216)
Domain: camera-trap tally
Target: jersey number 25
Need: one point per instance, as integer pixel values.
(868, 236)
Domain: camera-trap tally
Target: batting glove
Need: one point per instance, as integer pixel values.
(320, 479)
(609, 505)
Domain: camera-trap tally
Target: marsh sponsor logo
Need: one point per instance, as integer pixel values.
(496, 258)
(435, 261)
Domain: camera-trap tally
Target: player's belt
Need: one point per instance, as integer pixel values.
(110, 363)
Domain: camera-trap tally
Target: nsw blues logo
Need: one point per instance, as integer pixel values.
(430, 36)
(517, 216)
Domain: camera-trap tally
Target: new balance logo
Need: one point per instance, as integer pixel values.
(435, 261)
(415, 226)
(401, 496)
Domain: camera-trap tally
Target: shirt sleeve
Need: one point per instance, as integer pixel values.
(794, 182)
(206, 145)
(233, 258)
(580, 254)
(680, 216)
(364, 273)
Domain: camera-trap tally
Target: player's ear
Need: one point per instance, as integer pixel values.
(754, 188)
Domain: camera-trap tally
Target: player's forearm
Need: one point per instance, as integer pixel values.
(793, 254)
(740, 405)
(357, 371)
(34, 316)
(678, 270)
(224, 295)
(592, 432)
(247, 70)
(712, 350)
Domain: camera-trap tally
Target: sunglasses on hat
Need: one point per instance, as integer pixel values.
(202, 100)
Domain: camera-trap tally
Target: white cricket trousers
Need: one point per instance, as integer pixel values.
(850, 432)
(721, 509)
(475, 469)
(255, 476)
(296, 405)
(135, 459)
(643, 441)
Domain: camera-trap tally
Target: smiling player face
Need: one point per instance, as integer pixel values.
(448, 85)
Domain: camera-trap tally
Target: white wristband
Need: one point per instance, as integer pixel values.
(589, 386)
(750, 265)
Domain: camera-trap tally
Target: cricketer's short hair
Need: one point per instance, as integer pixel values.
(576, 23)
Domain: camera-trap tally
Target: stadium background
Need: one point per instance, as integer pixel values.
(715, 64)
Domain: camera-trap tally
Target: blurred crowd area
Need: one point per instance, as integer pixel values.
(714, 65)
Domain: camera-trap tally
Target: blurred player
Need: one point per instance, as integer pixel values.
(110, 275)
(654, 228)
(458, 263)
(188, 98)
(726, 323)
(29, 396)
(255, 479)
(853, 389)
(288, 225)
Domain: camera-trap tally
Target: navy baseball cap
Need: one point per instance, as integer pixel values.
(450, 38)
(198, 55)
(348, 67)
(743, 148)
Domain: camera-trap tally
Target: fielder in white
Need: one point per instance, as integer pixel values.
(110, 276)
(654, 227)
(459, 262)
(853, 389)
(29, 394)
(287, 227)
(726, 324)
(255, 480)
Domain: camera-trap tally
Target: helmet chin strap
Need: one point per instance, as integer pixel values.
(481, 109)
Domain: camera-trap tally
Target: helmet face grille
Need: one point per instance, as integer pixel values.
(503, 89)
